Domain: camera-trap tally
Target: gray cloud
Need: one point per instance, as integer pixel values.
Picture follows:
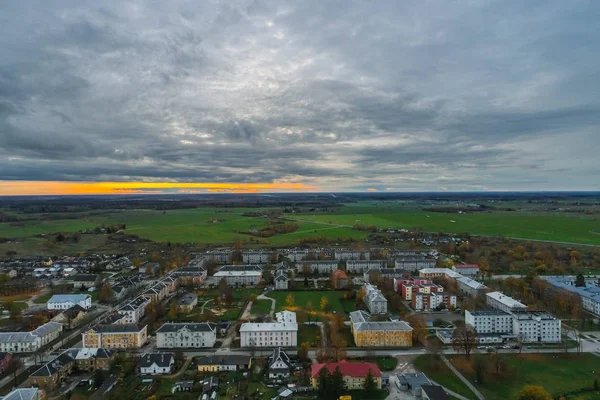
(497, 95)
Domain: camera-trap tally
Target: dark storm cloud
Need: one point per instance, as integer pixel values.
(343, 95)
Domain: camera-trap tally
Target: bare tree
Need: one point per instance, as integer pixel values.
(464, 339)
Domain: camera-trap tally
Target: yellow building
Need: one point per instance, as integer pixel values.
(354, 373)
(379, 334)
(117, 336)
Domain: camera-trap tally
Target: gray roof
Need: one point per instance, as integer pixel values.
(84, 277)
(435, 392)
(118, 328)
(279, 355)
(414, 381)
(75, 298)
(176, 327)
(47, 328)
(188, 299)
(361, 322)
(11, 337)
(22, 394)
(160, 359)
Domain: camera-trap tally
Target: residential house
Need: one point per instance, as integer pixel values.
(433, 301)
(25, 394)
(116, 336)
(149, 268)
(219, 363)
(369, 333)
(390, 273)
(186, 335)
(317, 267)
(471, 287)
(374, 299)
(354, 373)
(72, 317)
(281, 280)
(134, 310)
(66, 301)
(414, 262)
(84, 281)
(238, 278)
(19, 342)
(339, 279)
(284, 332)
(48, 332)
(589, 294)
(296, 255)
(500, 301)
(279, 364)
(219, 256)
(187, 302)
(258, 256)
(157, 363)
(60, 368)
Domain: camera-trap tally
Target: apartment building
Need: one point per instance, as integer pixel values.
(220, 256)
(296, 255)
(320, 267)
(374, 299)
(66, 301)
(589, 294)
(379, 334)
(19, 342)
(362, 266)
(409, 286)
(470, 287)
(283, 333)
(116, 336)
(354, 373)
(390, 273)
(536, 326)
(490, 321)
(61, 367)
(134, 310)
(500, 301)
(258, 256)
(438, 272)
(414, 262)
(186, 335)
(345, 255)
(432, 301)
(466, 269)
(238, 278)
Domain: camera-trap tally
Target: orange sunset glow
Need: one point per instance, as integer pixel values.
(48, 188)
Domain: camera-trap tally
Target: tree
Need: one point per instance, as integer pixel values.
(309, 310)
(106, 293)
(579, 280)
(480, 366)
(306, 281)
(370, 386)
(324, 303)
(337, 383)
(290, 301)
(596, 386)
(360, 295)
(533, 392)
(303, 351)
(173, 311)
(14, 311)
(419, 334)
(464, 339)
(179, 358)
(99, 378)
(323, 384)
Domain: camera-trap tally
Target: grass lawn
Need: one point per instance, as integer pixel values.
(558, 373)
(440, 373)
(303, 297)
(43, 299)
(346, 335)
(310, 334)
(362, 395)
(261, 307)
(21, 305)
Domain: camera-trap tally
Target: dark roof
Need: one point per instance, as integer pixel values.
(160, 359)
(4, 354)
(84, 277)
(435, 392)
(118, 328)
(175, 327)
(279, 355)
(224, 360)
(74, 311)
(188, 298)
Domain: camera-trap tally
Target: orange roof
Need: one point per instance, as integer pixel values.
(338, 273)
(353, 369)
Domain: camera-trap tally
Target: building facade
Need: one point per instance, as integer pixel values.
(345, 255)
(258, 256)
(319, 267)
(134, 310)
(186, 335)
(157, 363)
(283, 333)
(354, 373)
(117, 336)
(374, 299)
(379, 334)
(414, 262)
(362, 266)
(66, 301)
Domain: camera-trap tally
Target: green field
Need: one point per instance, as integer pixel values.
(309, 334)
(222, 225)
(560, 373)
(441, 374)
(302, 298)
(261, 307)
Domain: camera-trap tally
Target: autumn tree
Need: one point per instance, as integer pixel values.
(420, 330)
(303, 351)
(173, 311)
(290, 301)
(464, 339)
(106, 294)
(309, 310)
(324, 303)
(360, 295)
(533, 392)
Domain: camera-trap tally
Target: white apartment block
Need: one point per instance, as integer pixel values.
(257, 256)
(536, 326)
(375, 301)
(283, 333)
(413, 263)
(589, 294)
(134, 311)
(220, 256)
(238, 278)
(470, 287)
(24, 342)
(186, 335)
(321, 267)
(466, 269)
(362, 266)
(296, 255)
(490, 321)
(344, 255)
(66, 301)
(500, 301)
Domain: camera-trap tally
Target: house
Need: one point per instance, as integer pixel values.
(182, 386)
(71, 317)
(339, 279)
(66, 301)
(281, 280)
(279, 364)
(19, 342)
(12, 273)
(258, 256)
(471, 287)
(187, 302)
(390, 273)
(284, 332)
(354, 373)
(434, 392)
(186, 335)
(466, 269)
(157, 363)
(210, 384)
(5, 361)
(412, 382)
(322, 267)
(60, 368)
(66, 272)
(413, 262)
(369, 333)
(48, 332)
(134, 310)
(374, 299)
(26, 394)
(116, 336)
(218, 363)
(220, 256)
(84, 281)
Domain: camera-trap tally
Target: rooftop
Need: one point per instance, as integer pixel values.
(353, 369)
(506, 300)
(177, 326)
(160, 359)
(75, 298)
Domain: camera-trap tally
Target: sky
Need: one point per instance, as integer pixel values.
(254, 96)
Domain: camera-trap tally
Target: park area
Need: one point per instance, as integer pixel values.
(323, 302)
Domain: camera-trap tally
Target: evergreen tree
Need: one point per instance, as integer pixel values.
(370, 386)
(337, 383)
(323, 384)
(579, 280)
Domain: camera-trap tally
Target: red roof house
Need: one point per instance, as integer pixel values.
(351, 369)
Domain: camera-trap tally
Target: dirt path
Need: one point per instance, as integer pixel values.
(273, 302)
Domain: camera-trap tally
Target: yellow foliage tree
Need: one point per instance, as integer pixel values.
(290, 301)
(533, 392)
(324, 303)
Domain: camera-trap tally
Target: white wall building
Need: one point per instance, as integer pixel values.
(321, 267)
(500, 301)
(536, 326)
(186, 335)
(238, 278)
(157, 363)
(413, 263)
(344, 255)
(24, 342)
(466, 269)
(66, 301)
(134, 310)
(296, 255)
(490, 321)
(257, 256)
(283, 333)
(375, 301)
(362, 266)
